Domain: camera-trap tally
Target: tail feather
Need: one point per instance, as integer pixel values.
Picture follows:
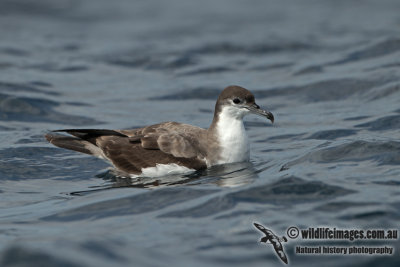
(91, 133)
(73, 143)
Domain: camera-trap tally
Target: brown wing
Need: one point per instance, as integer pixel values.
(132, 150)
(177, 139)
(131, 157)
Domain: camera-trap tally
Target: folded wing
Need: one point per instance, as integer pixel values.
(132, 150)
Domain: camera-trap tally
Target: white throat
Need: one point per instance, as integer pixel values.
(232, 136)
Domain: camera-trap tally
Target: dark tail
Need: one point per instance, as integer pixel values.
(91, 133)
(72, 143)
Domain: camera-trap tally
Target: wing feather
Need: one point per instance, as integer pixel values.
(281, 254)
(132, 150)
(177, 139)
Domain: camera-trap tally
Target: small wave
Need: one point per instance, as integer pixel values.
(272, 66)
(385, 153)
(376, 50)
(21, 256)
(260, 48)
(279, 138)
(389, 183)
(284, 191)
(13, 108)
(332, 134)
(208, 70)
(290, 190)
(384, 91)
(391, 122)
(329, 90)
(309, 70)
(12, 51)
(150, 201)
(21, 87)
(151, 62)
(54, 67)
(211, 207)
(196, 93)
(32, 162)
(370, 215)
(342, 205)
(356, 118)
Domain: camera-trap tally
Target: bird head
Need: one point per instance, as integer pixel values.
(237, 102)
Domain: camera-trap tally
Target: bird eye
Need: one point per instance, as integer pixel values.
(236, 101)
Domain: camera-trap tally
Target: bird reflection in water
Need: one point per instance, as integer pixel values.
(226, 175)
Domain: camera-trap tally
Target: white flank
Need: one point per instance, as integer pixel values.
(232, 135)
(163, 170)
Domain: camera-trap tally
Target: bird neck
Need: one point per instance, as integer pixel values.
(230, 135)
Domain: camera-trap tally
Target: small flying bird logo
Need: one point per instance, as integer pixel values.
(274, 240)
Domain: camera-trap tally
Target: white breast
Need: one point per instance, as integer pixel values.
(232, 136)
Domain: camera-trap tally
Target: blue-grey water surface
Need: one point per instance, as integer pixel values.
(328, 70)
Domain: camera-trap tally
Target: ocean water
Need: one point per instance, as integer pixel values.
(328, 70)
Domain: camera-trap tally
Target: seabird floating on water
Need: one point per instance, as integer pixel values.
(171, 147)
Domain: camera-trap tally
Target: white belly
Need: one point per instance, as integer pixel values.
(163, 169)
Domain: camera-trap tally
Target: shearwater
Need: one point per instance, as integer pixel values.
(171, 147)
